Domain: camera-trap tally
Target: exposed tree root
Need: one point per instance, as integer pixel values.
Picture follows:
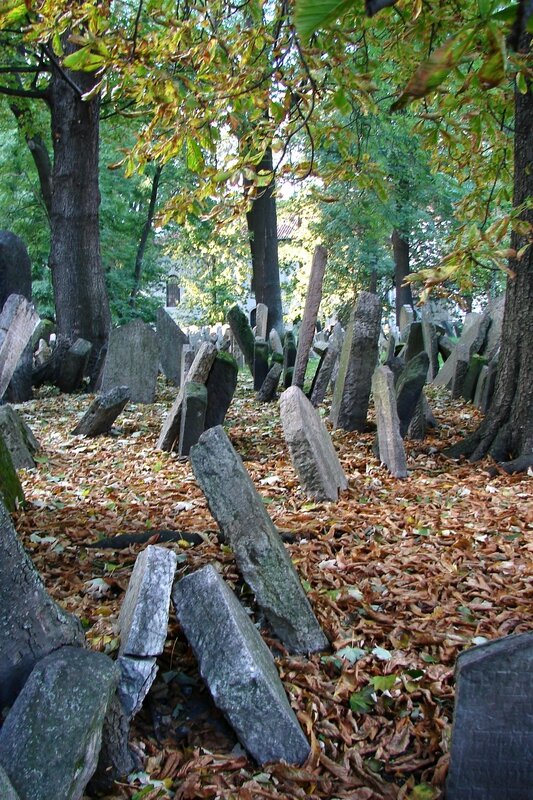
(493, 438)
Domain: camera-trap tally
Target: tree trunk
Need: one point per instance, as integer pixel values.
(263, 232)
(400, 249)
(82, 306)
(506, 433)
(147, 227)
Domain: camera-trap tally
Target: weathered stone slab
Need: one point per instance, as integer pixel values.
(462, 360)
(358, 360)
(18, 320)
(431, 345)
(472, 376)
(240, 327)
(274, 340)
(391, 449)
(6, 787)
(491, 345)
(221, 384)
(50, 740)
(187, 357)
(289, 357)
(406, 317)
(472, 339)
(171, 339)
(267, 392)
(409, 388)
(238, 668)
(417, 426)
(18, 438)
(265, 564)
(492, 735)
(192, 416)
(260, 362)
(415, 341)
(312, 304)
(198, 372)
(261, 321)
(11, 492)
(136, 677)
(324, 372)
(310, 446)
(15, 278)
(73, 365)
(102, 412)
(132, 360)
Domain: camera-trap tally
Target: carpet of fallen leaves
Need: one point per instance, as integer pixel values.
(402, 575)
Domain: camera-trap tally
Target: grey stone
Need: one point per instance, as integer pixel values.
(310, 315)
(289, 357)
(274, 340)
(132, 360)
(221, 384)
(325, 372)
(50, 741)
(240, 327)
(488, 386)
(198, 372)
(136, 677)
(102, 412)
(73, 365)
(415, 341)
(18, 438)
(18, 320)
(187, 357)
(491, 345)
(245, 525)
(6, 787)
(44, 329)
(115, 760)
(492, 735)
(462, 360)
(267, 392)
(409, 388)
(310, 446)
(171, 340)
(446, 346)
(391, 449)
(192, 416)
(472, 376)
(480, 385)
(472, 340)
(358, 360)
(238, 668)
(10, 487)
(431, 346)
(143, 618)
(260, 362)
(406, 317)
(417, 425)
(261, 321)
(15, 278)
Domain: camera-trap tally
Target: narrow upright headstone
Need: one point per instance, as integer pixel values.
(240, 327)
(274, 340)
(18, 320)
(358, 361)
(407, 316)
(171, 340)
(480, 385)
(472, 375)
(187, 357)
(415, 341)
(260, 363)
(462, 360)
(409, 388)
(73, 365)
(325, 372)
(492, 734)
(102, 412)
(259, 551)
(431, 345)
(267, 392)
(221, 384)
(261, 321)
(238, 668)
(289, 357)
(192, 421)
(310, 446)
(312, 304)
(391, 449)
(18, 438)
(132, 360)
(15, 278)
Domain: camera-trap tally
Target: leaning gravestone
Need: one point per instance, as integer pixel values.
(187, 357)
(267, 392)
(357, 363)
(18, 438)
(102, 412)
(50, 740)
(261, 321)
(471, 341)
(240, 328)
(406, 317)
(492, 735)
(391, 449)
(15, 278)
(192, 421)
(132, 360)
(171, 340)
(221, 384)
(18, 320)
(260, 554)
(409, 387)
(274, 340)
(238, 668)
(312, 304)
(11, 492)
(312, 452)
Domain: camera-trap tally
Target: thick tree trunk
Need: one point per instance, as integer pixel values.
(400, 249)
(263, 232)
(82, 306)
(506, 433)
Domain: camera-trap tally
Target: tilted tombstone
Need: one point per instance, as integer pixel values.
(260, 363)
(310, 447)
(289, 357)
(18, 320)
(259, 551)
(261, 321)
(102, 412)
(267, 392)
(409, 388)
(391, 449)
(171, 340)
(415, 341)
(132, 360)
(358, 361)
(18, 438)
(492, 734)
(471, 341)
(240, 327)
(11, 492)
(312, 304)
(192, 416)
(238, 668)
(15, 278)
(221, 384)
(324, 372)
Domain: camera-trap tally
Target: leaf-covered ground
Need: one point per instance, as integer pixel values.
(402, 575)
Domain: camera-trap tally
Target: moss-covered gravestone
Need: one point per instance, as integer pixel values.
(10, 488)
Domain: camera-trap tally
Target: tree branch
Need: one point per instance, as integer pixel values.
(35, 94)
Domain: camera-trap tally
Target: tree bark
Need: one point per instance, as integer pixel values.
(400, 249)
(506, 433)
(263, 231)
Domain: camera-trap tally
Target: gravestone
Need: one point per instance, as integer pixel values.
(15, 278)
(472, 377)
(472, 340)
(18, 438)
(409, 388)
(267, 392)
(132, 360)
(102, 412)
(289, 357)
(312, 304)
(240, 327)
(198, 372)
(417, 425)
(73, 365)
(431, 345)
(261, 321)
(18, 320)
(415, 341)
(274, 340)
(187, 357)
(50, 740)
(310, 447)
(491, 345)
(391, 449)
(171, 339)
(10, 487)
(260, 554)
(260, 363)
(357, 363)
(325, 372)
(406, 317)
(221, 384)
(192, 421)
(492, 735)
(461, 362)
(238, 668)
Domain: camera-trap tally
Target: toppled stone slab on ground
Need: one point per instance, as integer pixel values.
(102, 412)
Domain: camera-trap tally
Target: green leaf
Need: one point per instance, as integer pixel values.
(382, 683)
(12, 12)
(361, 702)
(309, 15)
(83, 60)
(381, 653)
(521, 83)
(351, 654)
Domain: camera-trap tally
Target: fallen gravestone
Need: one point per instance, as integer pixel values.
(267, 392)
(15, 278)
(312, 304)
(310, 446)
(50, 740)
(221, 384)
(171, 340)
(11, 492)
(260, 554)
(35, 625)
(73, 365)
(238, 668)
(409, 387)
(261, 321)
(260, 362)
(357, 363)
(102, 412)
(391, 449)
(132, 360)
(18, 320)
(492, 735)
(240, 328)
(192, 421)
(18, 438)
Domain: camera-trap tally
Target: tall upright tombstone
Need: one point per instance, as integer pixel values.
(391, 449)
(171, 340)
(312, 304)
(15, 278)
(221, 384)
(132, 360)
(358, 360)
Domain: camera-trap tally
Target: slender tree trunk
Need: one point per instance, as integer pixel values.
(263, 232)
(400, 249)
(38, 149)
(147, 227)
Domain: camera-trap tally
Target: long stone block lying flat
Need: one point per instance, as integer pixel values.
(260, 554)
(238, 668)
(310, 446)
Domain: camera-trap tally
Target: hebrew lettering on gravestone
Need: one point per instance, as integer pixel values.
(132, 360)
